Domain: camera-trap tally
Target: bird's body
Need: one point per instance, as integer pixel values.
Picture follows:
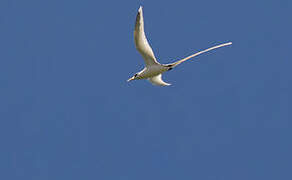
(153, 69)
(153, 74)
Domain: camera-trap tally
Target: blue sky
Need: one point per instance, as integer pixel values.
(67, 111)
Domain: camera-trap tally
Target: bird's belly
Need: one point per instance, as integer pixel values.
(153, 71)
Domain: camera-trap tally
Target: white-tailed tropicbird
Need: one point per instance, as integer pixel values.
(154, 69)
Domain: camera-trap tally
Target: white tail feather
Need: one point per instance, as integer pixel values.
(201, 52)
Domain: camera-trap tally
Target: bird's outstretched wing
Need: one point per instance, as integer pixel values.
(141, 42)
(157, 80)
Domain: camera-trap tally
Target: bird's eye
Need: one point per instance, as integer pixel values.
(135, 75)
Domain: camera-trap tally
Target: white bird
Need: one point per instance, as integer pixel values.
(154, 69)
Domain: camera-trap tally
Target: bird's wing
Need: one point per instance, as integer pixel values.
(141, 42)
(156, 80)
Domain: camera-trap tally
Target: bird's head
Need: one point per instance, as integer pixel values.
(136, 76)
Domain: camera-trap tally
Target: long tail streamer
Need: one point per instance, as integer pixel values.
(201, 52)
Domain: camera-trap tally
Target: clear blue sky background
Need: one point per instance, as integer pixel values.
(67, 111)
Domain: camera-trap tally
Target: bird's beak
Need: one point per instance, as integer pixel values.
(132, 78)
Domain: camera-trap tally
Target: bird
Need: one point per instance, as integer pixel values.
(153, 69)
